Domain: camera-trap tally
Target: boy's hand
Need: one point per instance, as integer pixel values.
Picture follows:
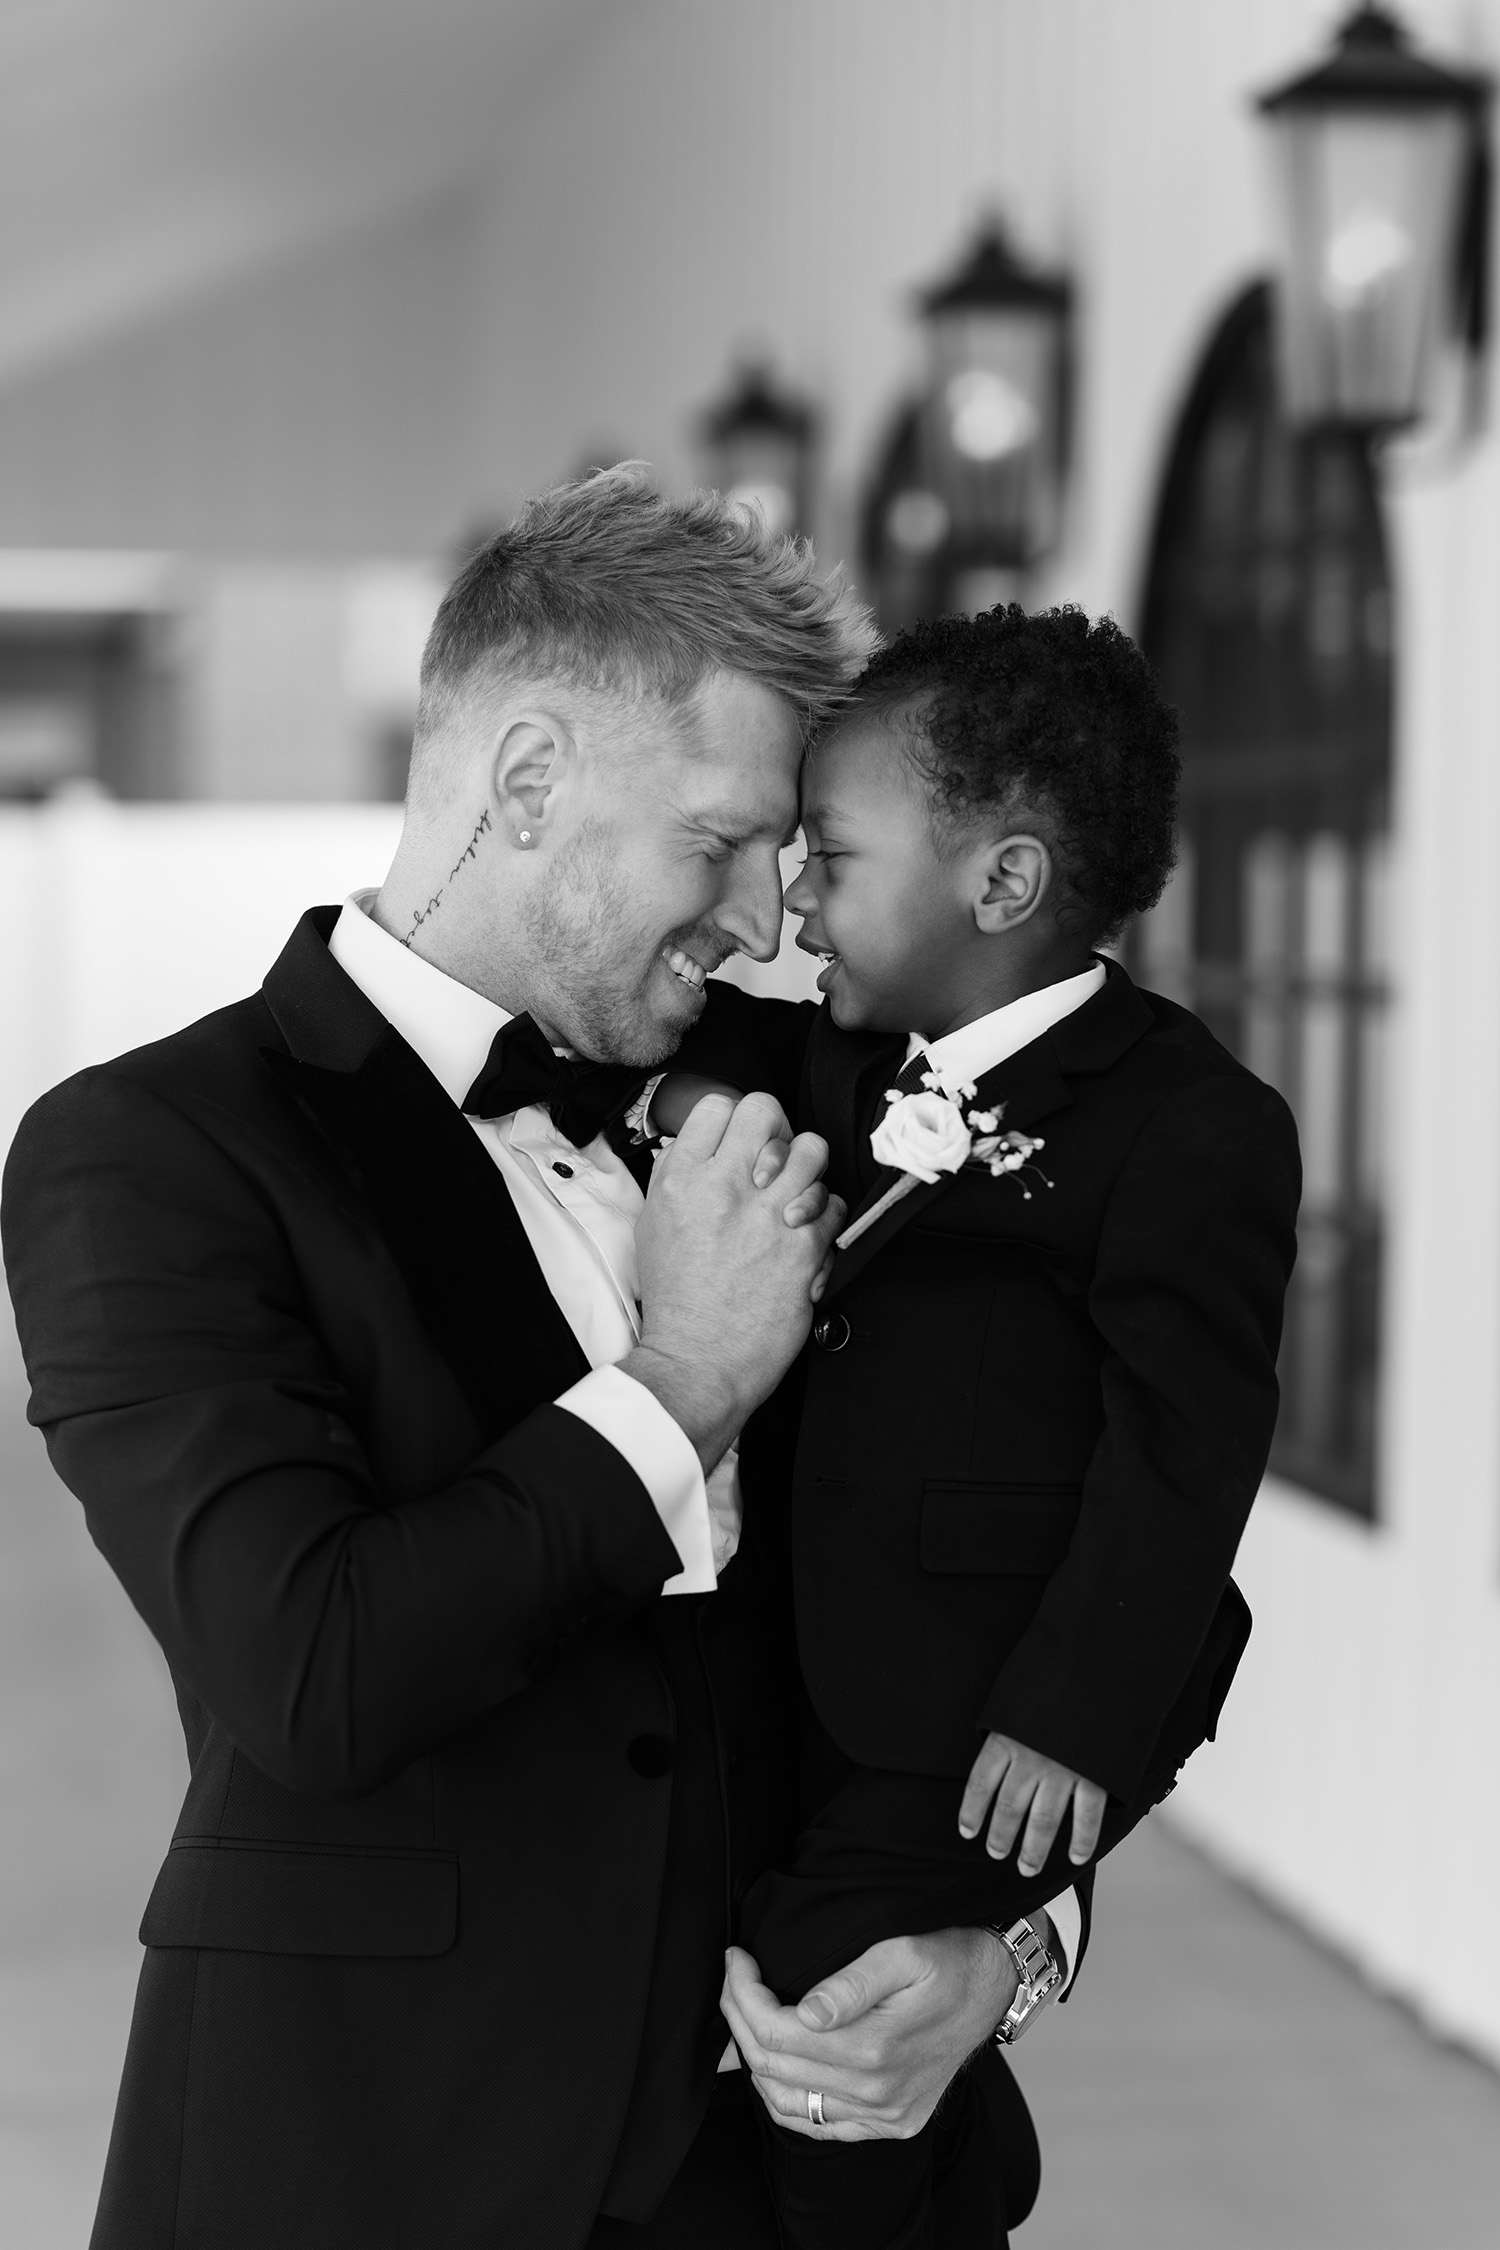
(1030, 1784)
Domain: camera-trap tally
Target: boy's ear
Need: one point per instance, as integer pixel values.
(1014, 875)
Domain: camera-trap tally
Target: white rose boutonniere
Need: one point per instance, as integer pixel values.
(922, 1136)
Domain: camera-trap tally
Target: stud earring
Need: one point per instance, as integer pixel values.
(526, 835)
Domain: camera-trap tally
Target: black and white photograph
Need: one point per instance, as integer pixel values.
(750, 1113)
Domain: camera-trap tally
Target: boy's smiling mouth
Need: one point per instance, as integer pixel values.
(824, 953)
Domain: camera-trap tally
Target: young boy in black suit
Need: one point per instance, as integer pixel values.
(1042, 1385)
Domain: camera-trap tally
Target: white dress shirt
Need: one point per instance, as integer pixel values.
(962, 1057)
(579, 1209)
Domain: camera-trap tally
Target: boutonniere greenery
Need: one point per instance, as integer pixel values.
(924, 1135)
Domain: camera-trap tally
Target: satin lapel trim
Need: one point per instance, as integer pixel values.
(448, 1219)
(436, 1196)
(1024, 1088)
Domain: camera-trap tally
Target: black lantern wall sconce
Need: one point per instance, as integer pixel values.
(1383, 176)
(969, 492)
(759, 443)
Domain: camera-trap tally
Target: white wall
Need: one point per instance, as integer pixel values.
(127, 921)
(322, 407)
(299, 680)
(1356, 1775)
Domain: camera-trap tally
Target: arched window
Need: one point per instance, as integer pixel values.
(1268, 617)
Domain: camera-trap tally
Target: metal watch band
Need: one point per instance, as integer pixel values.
(1039, 1973)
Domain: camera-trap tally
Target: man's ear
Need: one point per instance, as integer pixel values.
(534, 761)
(1013, 876)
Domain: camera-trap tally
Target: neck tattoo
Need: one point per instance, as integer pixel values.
(470, 851)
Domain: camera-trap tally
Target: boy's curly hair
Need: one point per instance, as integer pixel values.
(1050, 716)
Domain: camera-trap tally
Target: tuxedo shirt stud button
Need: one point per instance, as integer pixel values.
(563, 1171)
(650, 1755)
(831, 1333)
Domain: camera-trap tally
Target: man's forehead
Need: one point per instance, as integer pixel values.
(757, 807)
(739, 760)
(730, 716)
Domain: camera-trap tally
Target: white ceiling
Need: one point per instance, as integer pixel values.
(147, 146)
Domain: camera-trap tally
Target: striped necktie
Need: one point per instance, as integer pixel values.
(908, 1079)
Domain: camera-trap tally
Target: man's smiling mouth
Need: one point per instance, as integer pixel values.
(682, 965)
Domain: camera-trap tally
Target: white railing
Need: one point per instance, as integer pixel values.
(123, 922)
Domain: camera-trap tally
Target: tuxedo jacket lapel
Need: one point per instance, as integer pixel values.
(435, 1195)
(1028, 1086)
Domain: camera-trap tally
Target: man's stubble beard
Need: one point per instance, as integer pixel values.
(598, 960)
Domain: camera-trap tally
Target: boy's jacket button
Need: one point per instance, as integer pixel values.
(651, 1755)
(831, 1333)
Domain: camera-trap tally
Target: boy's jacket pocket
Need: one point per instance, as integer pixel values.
(1008, 1530)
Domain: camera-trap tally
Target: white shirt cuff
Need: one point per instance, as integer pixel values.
(638, 1116)
(1067, 1929)
(639, 1426)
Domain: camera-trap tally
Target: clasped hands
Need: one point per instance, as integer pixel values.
(880, 2041)
(734, 1248)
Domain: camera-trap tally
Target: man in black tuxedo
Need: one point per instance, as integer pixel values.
(415, 1452)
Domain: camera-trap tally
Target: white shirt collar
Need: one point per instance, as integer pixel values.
(449, 1026)
(963, 1057)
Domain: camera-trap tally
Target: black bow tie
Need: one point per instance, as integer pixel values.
(521, 1068)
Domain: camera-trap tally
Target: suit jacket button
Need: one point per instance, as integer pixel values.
(831, 1333)
(650, 1755)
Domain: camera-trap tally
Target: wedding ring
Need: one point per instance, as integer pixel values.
(815, 2108)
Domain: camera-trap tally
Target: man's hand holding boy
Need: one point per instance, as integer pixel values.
(881, 2040)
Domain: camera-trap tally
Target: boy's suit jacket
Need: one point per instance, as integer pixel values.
(452, 1759)
(1033, 1426)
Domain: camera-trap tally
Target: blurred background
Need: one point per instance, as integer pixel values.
(1175, 308)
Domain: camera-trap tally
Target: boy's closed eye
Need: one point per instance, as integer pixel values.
(1033, 1789)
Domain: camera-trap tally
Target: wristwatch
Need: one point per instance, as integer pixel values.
(1039, 1973)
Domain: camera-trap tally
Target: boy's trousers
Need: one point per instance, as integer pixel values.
(880, 1856)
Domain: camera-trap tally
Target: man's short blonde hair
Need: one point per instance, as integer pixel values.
(606, 585)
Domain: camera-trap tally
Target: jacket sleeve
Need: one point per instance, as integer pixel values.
(755, 1044)
(1195, 1252)
(189, 1402)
